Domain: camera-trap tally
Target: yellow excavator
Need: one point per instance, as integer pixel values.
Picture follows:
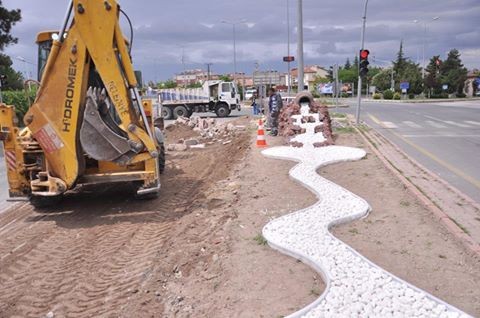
(88, 123)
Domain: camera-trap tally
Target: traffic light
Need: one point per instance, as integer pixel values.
(364, 62)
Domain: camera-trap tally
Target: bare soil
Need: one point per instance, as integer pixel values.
(189, 253)
(402, 236)
(196, 251)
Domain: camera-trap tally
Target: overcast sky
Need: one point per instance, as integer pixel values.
(331, 31)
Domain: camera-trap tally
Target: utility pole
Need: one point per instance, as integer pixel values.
(208, 70)
(362, 43)
(185, 79)
(301, 84)
(234, 24)
(289, 81)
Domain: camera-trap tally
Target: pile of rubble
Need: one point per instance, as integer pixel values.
(288, 129)
(208, 130)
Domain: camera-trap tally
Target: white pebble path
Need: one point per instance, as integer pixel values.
(355, 287)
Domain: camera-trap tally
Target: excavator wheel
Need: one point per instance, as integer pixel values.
(43, 202)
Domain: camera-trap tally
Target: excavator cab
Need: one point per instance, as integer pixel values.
(88, 123)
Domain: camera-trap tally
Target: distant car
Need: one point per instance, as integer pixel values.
(477, 93)
(249, 93)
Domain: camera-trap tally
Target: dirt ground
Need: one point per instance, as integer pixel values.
(402, 236)
(196, 251)
(189, 253)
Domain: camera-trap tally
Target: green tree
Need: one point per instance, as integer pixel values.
(400, 64)
(8, 18)
(355, 63)
(453, 73)
(433, 77)
(348, 65)
(226, 78)
(14, 78)
(406, 70)
(382, 80)
(167, 84)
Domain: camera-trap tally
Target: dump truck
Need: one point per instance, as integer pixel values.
(88, 123)
(218, 97)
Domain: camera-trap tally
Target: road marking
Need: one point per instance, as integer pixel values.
(430, 155)
(435, 124)
(389, 124)
(442, 136)
(456, 124)
(472, 122)
(376, 120)
(412, 124)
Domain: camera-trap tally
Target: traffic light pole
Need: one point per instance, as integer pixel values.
(359, 88)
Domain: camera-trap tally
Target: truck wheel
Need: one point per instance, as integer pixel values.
(222, 110)
(180, 111)
(43, 202)
(167, 113)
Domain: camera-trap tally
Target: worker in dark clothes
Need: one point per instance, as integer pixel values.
(274, 105)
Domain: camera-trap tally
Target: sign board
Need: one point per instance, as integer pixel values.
(404, 85)
(372, 89)
(289, 58)
(445, 87)
(266, 78)
(404, 90)
(326, 88)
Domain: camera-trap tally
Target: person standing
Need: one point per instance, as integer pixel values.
(275, 104)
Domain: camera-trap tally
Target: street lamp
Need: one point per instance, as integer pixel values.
(424, 40)
(362, 43)
(301, 84)
(234, 25)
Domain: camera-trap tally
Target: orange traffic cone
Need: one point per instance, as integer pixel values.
(261, 142)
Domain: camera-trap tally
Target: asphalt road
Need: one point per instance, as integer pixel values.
(443, 137)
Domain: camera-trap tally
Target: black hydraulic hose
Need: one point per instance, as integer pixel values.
(131, 32)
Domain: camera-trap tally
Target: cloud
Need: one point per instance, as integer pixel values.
(331, 32)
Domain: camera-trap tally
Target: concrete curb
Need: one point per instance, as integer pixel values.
(451, 226)
(422, 101)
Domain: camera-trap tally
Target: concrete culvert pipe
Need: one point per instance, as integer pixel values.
(304, 97)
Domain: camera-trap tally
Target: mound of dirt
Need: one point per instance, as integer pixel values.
(177, 131)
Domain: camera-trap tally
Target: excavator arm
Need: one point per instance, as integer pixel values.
(88, 67)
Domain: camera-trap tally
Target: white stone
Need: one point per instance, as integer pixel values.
(304, 234)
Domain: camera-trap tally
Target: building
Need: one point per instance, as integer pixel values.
(472, 80)
(311, 72)
(190, 77)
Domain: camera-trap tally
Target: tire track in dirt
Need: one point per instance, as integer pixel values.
(85, 272)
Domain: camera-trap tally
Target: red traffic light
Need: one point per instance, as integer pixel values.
(364, 54)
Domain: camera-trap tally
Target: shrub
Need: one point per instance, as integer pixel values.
(387, 94)
(411, 96)
(344, 95)
(377, 96)
(315, 94)
(20, 101)
(461, 95)
(397, 96)
(441, 95)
